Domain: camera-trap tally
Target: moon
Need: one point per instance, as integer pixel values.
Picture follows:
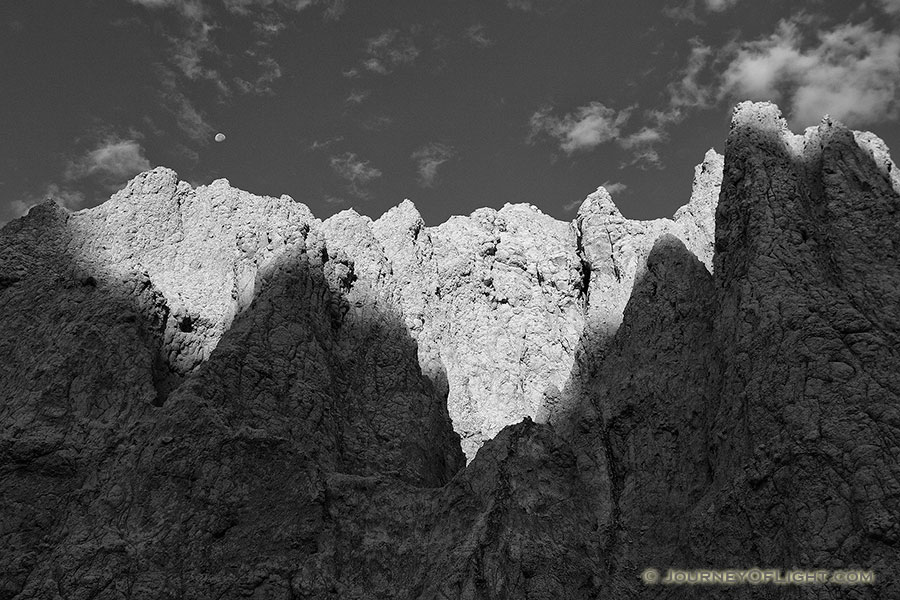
(220, 137)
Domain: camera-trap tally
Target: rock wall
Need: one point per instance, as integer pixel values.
(212, 394)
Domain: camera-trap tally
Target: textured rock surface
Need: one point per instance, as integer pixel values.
(211, 394)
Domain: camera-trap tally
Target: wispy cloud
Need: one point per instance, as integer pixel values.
(642, 145)
(720, 5)
(71, 199)
(891, 7)
(584, 129)
(428, 159)
(693, 87)
(270, 71)
(106, 166)
(687, 10)
(334, 9)
(196, 54)
(377, 123)
(316, 145)
(191, 46)
(357, 96)
(188, 118)
(111, 163)
(477, 35)
(850, 72)
(389, 50)
(356, 172)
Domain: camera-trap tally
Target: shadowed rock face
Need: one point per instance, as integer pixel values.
(208, 394)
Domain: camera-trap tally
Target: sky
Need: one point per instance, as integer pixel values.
(453, 104)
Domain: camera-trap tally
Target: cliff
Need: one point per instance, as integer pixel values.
(208, 393)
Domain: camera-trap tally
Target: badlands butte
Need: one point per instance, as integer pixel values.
(210, 394)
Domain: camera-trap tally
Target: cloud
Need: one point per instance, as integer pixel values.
(321, 144)
(108, 165)
(389, 50)
(694, 88)
(690, 91)
(428, 159)
(687, 10)
(477, 35)
(71, 199)
(111, 163)
(614, 187)
(719, 5)
(333, 8)
(358, 173)
(270, 72)
(377, 123)
(189, 120)
(194, 53)
(891, 7)
(850, 72)
(192, 44)
(585, 129)
(596, 124)
(642, 145)
(357, 96)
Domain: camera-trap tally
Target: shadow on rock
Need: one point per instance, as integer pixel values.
(115, 480)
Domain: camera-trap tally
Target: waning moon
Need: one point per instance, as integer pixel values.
(220, 137)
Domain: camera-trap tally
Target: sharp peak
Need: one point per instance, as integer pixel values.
(599, 202)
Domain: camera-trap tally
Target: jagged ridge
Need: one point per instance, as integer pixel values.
(218, 385)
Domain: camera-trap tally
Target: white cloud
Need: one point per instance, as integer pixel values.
(111, 163)
(108, 165)
(642, 145)
(892, 7)
(333, 8)
(190, 120)
(585, 129)
(192, 46)
(428, 159)
(377, 123)
(851, 72)
(357, 96)
(321, 144)
(719, 5)
(389, 50)
(644, 137)
(689, 92)
(270, 71)
(358, 173)
(194, 53)
(614, 187)
(71, 199)
(687, 10)
(477, 35)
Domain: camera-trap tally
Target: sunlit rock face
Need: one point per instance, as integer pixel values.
(207, 393)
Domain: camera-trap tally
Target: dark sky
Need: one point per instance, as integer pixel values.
(454, 104)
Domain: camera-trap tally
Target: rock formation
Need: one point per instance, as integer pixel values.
(207, 393)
